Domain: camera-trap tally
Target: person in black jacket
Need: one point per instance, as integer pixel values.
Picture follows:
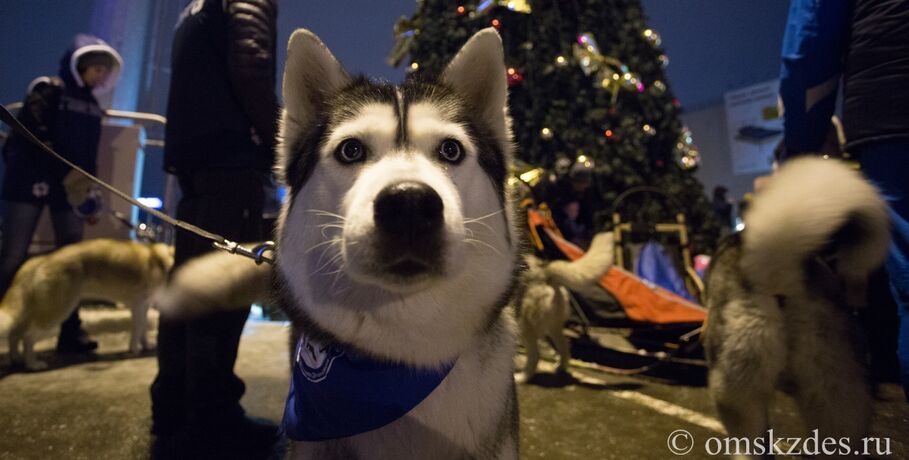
(864, 42)
(64, 114)
(221, 121)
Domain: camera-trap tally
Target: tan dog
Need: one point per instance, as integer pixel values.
(544, 306)
(47, 288)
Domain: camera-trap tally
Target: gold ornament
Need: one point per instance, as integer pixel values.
(611, 74)
(518, 6)
(690, 159)
(686, 153)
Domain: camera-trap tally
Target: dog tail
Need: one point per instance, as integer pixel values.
(582, 274)
(815, 207)
(216, 281)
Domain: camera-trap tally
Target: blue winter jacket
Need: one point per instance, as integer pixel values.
(866, 42)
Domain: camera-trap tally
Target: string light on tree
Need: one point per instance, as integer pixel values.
(561, 61)
(648, 130)
(652, 37)
(496, 23)
(658, 86)
(546, 133)
(461, 10)
(664, 60)
(514, 77)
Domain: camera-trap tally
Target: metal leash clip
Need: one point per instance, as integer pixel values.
(257, 253)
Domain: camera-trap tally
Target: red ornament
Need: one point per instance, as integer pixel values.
(514, 77)
(609, 134)
(496, 23)
(461, 10)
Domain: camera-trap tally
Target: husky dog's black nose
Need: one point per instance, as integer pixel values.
(408, 210)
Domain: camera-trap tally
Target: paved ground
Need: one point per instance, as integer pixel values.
(100, 408)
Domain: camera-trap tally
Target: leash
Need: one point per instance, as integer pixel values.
(257, 253)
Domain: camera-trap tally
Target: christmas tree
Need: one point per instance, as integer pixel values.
(586, 77)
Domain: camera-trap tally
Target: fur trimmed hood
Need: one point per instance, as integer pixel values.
(84, 45)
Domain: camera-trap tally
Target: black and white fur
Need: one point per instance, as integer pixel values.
(398, 241)
(780, 298)
(403, 254)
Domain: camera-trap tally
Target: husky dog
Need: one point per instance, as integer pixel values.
(47, 288)
(544, 307)
(780, 296)
(396, 256)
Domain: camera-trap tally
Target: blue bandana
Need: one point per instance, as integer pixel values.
(336, 393)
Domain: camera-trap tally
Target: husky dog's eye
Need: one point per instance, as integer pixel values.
(351, 151)
(451, 151)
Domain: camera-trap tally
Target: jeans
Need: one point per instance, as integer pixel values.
(886, 164)
(19, 222)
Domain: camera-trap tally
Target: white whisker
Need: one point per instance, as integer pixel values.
(328, 241)
(475, 219)
(320, 212)
(476, 241)
(330, 261)
(326, 235)
(488, 227)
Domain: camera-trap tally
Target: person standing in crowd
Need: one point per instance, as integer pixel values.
(63, 113)
(572, 198)
(722, 207)
(219, 142)
(865, 42)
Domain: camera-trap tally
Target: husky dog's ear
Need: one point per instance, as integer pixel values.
(477, 73)
(311, 74)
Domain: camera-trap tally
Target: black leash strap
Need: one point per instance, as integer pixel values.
(258, 253)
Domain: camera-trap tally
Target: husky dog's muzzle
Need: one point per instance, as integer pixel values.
(410, 226)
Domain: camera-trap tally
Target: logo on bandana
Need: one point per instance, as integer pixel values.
(314, 359)
(40, 189)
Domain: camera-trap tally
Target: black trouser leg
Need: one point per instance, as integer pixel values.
(19, 222)
(68, 229)
(169, 387)
(196, 383)
(213, 389)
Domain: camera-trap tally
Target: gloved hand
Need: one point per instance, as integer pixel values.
(84, 196)
(77, 187)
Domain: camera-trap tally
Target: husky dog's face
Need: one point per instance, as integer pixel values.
(397, 237)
